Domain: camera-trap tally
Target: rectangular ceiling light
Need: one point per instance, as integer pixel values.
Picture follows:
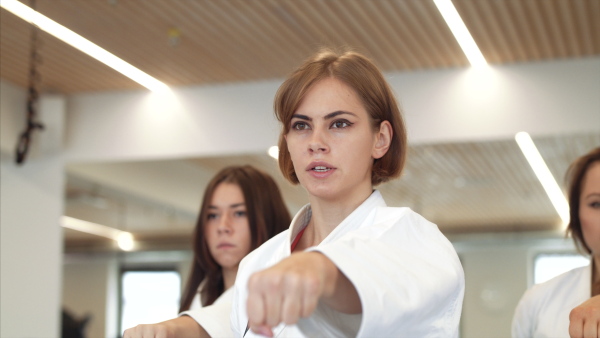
(544, 175)
(83, 44)
(124, 239)
(461, 33)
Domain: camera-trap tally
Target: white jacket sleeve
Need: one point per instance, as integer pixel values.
(524, 320)
(234, 319)
(407, 275)
(214, 318)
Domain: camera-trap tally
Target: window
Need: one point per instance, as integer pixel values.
(149, 297)
(548, 266)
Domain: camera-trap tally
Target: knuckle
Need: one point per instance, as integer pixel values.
(265, 281)
(256, 281)
(273, 283)
(577, 313)
(580, 313)
(312, 286)
(574, 314)
(291, 282)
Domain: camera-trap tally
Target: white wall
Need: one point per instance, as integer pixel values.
(542, 98)
(31, 201)
(189, 122)
(442, 105)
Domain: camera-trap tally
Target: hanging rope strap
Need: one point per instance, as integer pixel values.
(32, 98)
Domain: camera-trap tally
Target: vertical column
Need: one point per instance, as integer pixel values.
(31, 202)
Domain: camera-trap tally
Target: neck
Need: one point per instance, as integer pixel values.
(328, 214)
(229, 275)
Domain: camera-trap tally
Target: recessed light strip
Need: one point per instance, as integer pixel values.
(544, 175)
(123, 238)
(461, 33)
(83, 44)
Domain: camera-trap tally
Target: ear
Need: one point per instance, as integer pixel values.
(383, 140)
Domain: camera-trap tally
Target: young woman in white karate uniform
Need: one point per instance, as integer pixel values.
(348, 265)
(569, 304)
(242, 207)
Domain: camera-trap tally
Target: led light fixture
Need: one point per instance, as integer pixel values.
(461, 33)
(124, 239)
(61, 32)
(544, 175)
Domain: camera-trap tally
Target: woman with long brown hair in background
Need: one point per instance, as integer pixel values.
(242, 207)
(569, 304)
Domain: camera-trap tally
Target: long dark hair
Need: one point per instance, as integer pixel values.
(267, 216)
(574, 177)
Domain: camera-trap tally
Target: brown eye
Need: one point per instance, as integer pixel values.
(241, 213)
(300, 126)
(341, 124)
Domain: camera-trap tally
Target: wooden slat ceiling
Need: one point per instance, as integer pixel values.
(241, 40)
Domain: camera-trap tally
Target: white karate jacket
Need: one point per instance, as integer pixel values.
(407, 274)
(215, 317)
(544, 309)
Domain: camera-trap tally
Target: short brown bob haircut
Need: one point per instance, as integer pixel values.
(360, 74)
(267, 216)
(575, 176)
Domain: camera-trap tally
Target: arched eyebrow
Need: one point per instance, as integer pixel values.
(327, 117)
(593, 194)
(236, 205)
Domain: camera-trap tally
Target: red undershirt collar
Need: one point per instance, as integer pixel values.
(297, 239)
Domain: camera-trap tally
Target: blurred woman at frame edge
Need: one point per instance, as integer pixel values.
(349, 265)
(569, 304)
(242, 207)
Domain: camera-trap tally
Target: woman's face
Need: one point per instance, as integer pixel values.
(227, 229)
(331, 142)
(589, 208)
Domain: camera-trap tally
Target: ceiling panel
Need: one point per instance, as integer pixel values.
(239, 40)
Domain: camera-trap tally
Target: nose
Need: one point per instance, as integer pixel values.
(317, 143)
(224, 226)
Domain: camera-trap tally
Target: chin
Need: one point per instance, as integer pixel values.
(323, 191)
(228, 265)
(228, 262)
